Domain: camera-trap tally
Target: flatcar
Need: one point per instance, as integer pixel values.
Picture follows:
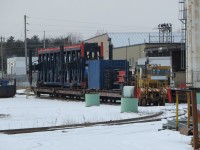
(72, 71)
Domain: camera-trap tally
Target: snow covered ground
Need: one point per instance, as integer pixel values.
(36, 112)
(144, 136)
(20, 112)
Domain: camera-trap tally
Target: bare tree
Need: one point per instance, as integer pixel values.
(73, 38)
(100, 32)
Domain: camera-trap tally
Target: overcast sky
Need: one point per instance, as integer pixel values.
(61, 17)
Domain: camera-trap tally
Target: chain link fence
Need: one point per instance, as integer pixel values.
(22, 81)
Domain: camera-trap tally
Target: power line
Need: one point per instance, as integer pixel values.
(84, 22)
(81, 26)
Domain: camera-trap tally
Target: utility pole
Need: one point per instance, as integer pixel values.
(25, 43)
(44, 40)
(2, 56)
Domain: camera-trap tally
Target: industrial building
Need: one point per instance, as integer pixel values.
(136, 45)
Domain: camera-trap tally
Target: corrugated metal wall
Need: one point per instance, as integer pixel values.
(22, 81)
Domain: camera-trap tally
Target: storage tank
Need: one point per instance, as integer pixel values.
(193, 38)
(196, 43)
(189, 66)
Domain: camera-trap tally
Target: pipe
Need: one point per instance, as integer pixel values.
(188, 102)
(177, 101)
(195, 120)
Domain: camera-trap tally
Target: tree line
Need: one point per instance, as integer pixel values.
(15, 48)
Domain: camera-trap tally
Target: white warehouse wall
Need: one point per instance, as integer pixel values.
(16, 65)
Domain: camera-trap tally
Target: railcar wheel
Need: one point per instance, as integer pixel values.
(161, 102)
(155, 103)
(38, 94)
(143, 102)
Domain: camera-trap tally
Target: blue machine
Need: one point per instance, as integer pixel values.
(102, 74)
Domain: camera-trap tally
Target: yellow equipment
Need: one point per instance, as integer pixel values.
(152, 83)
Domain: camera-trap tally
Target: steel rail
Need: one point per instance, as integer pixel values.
(149, 118)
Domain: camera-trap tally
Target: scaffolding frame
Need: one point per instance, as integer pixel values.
(183, 19)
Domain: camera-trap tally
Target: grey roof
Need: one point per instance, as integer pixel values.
(134, 38)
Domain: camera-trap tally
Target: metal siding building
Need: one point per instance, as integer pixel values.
(131, 53)
(98, 39)
(135, 45)
(122, 47)
(131, 45)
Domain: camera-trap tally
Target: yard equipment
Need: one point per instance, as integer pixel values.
(152, 83)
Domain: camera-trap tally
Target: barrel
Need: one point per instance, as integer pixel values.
(92, 99)
(128, 91)
(129, 104)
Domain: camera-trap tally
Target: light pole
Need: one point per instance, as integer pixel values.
(25, 44)
(126, 47)
(2, 57)
(126, 52)
(44, 40)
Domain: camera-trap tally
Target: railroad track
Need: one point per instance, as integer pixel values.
(150, 118)
(68, 99)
